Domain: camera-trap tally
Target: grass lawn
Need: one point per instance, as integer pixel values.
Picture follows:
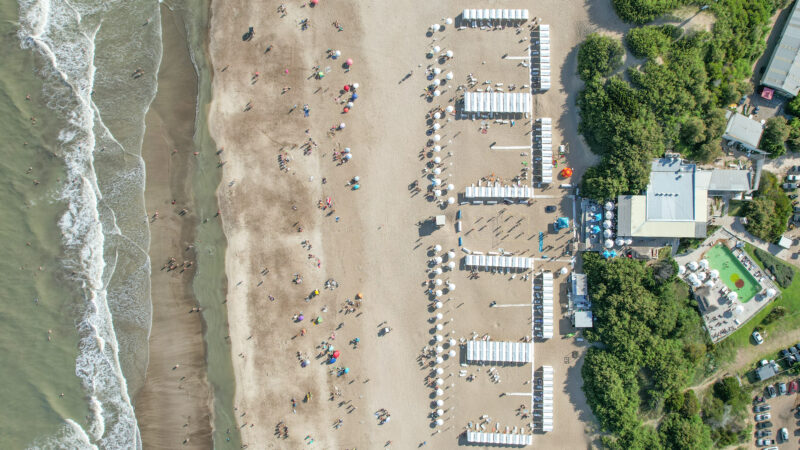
(789, 299)
(736, 208)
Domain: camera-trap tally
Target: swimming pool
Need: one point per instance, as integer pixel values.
(732, 272)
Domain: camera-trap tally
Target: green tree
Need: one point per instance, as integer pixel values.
(691, 405)
(793, 106)
(599, 56)
(768, 213)
(681, 432)
(776, 132)
(731, 392)
(643, 11)
(793, 142)
(651, 41)
(693, 131)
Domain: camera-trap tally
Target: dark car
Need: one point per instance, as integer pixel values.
(550, 209)
(762, 425)
(793, 196)
(763, 433)
(787, 355)
(793, 350)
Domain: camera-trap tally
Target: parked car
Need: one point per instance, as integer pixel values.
(789, 186)
(763, 433)
(792, 177)
(762, 425)
(796, 208)
(771, 392)
(793, 350)
(787, 355)
(550, 209)
(793, 386)
(770, 448)
(793, 196)
(761, 408)
(782, 388)
(763, 417)
(784, 434)
(765, 442)
(757, 337)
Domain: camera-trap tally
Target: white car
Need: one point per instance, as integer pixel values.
(757, 337)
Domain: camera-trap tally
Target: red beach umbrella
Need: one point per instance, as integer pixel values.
(336, 353)
(346, 110)
(346, 88)
(349, 62)
(314, 2)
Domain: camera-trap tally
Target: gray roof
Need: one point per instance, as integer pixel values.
(579, 284)
(583, 319)
(624, 215)
(670, 194)
(744, 130)
(783, 71)
(730, 180)
(766, 372)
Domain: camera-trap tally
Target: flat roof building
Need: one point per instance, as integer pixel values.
(743, 130)
(783, 70)
(675, 204)
(582, 319)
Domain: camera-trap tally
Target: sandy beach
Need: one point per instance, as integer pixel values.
(173, 407)
(279, 170)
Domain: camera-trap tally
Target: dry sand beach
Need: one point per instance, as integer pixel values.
(280, 225)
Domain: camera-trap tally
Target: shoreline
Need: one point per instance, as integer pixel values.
(173, 406)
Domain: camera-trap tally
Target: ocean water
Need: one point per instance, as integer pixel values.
(84, 223)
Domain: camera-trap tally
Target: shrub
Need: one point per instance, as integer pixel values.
(793, 142)
(599, 56)
(651, 41)
(643, 11)
(768, 213)
(784, 273)
(793, 106)
(776, 132)
(776, 313)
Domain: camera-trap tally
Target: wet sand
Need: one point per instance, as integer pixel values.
(173, 407)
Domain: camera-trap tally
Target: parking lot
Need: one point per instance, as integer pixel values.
(781, 414)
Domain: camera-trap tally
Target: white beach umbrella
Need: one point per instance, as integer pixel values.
(342, 125)
(348, 156)
(702, 276)
(437, 171)
(437, 93)
(692, 265)
(607, 233)
(438, 305)
(629, 241)
(437, 160)
(771, 292)
(564, 270)
(620, 242)
(438, 271)
(452, 342)
(451, 286)
(436, 27)
(436, 127)
(710, 283)
(355, 85)
(609, 243)
(439, 381)
(437, 193)
(439, 327)
(438, 259)
(439, 422)
(450, 187)
(451, 254)
(449, 75)
(681, 270)
(451, 200)
(436, 181)
(337, 53)
(439, 282)
(607, 224)
(451, 265)
(733, 295)
(436, 49)
(692, 277)
(739, 309)
(439, 316)
(439, 293)
(437, 148)
(436, 138)
(449, 53)
(437, 115)
(439, 360)
(450, 108)
(609, 215)
(609, 206)
(439, 371)
(439, 349)
(452, 353)
(704, 263)
(440, 412)
(439, 392)
(437, 248)
(714, 273)
(440, 402)
(448, 21)
(437, 71)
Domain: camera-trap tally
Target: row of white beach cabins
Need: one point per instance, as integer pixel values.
(491, 17)
(501, 104)
(540, 70)
(542, 149)
(547, 398)
(478, 261)
(546, 326)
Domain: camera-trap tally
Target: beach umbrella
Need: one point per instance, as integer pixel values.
(609, 215)
(595, 229)
(692, 265)
(439, 371)
(710, 283)
(451, 286)
(437, 148)
(450, 108)
(304, 363)
(451, 254)
(439, 349)
(620, 242)
(733, 295)
(436, 138)
(349, 104)
(314, 2)
(437, 248)
(439, 402)
(346, 88)
(609, 206)
(438, 305)
(451, 200)
(451, 265)
(348, 157)
(439, 327)
(739, 309)
(608, 233)
(437, 115)
(342, 125)
(452, 342)
(613, 253)
(440, 412)
(355, 85)
(437, 160)
(449, 53)
(438, 282)
(346, 370)
(318, 320)
(439, 293)
(436, 49)
(450, 187)
(449, 75)
(336, 354)
(437, 71)
(439, 338)
(337, 54)
(347, 150)
(692, 277)
(436, 27)
(354, 96)
(300, 318)
(452, 353)
(438, 271)
(704, 263)
(437, 93)
(346, 110)
(438, 259)
(629, 241)
(439, 316)
(607, 224)
(439, 360)
(430, 54)
(439, 381)
(771, 292)
(681, 270)
(436, 181)
(714, 273)
(332, 360)
(437, 171)
(609, 243)
(349, 62)
(448, 21)
(439, 392)
(564, 270)
(436, 127)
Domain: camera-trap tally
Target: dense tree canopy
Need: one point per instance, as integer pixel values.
(646, 326)
(776, 132)
(599, 56)
(768, 213)
(651, 41)
(643, 11)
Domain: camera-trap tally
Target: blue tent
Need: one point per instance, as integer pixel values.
(562, 222)
(606, 254)
(598, 217)
(613, 253)
(595, 229)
